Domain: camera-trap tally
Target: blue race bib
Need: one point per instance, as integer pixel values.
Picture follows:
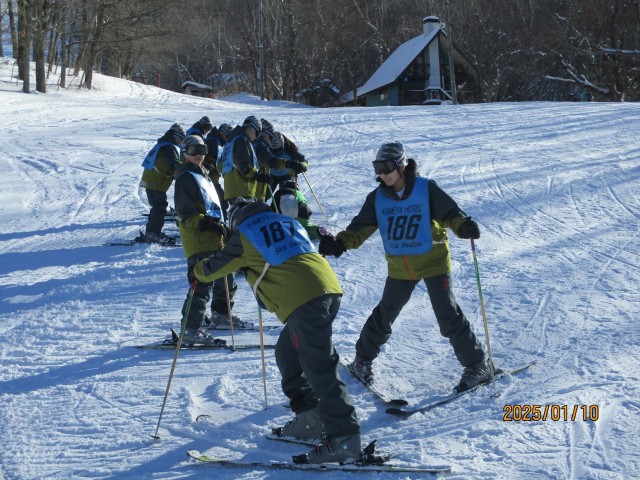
(405, 225)
(276, 237)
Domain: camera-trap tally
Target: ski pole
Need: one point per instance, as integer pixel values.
(317, 201)
(273, 201)
(226, 288)
(192, 291)
(484, 314)
(264, 366)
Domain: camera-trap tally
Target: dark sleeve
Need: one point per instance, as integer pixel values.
(243, 156)
(171, 157)
(224, 261)
(443, 208)
(292, 149)
(265, 157)
(186, 197)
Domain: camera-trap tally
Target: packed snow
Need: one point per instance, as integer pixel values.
(555, 188)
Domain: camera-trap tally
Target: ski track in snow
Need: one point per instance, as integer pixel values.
(554, 187)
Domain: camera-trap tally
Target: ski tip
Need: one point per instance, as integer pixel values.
(195, 454)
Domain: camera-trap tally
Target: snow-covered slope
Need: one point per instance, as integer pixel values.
(554, 186)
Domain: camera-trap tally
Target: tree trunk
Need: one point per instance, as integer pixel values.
(94, 46)
(40, 23)
(63, 57)
(25, 44)
(1, 33)
(85, 28)
(18, 52)
(53, 39)
(12, 29)
(52, 55)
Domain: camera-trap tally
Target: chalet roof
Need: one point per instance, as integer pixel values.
(397, 62)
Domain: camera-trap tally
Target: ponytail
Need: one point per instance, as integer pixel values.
(411, 170)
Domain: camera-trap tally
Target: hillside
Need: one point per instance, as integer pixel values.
(554, 187)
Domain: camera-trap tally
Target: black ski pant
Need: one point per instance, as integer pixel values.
(158, 203)
(308, 363)
(202, 295)
(452, 322)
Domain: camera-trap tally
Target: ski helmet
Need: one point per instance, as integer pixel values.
(232, 212)
(194, 145)
(390, 156)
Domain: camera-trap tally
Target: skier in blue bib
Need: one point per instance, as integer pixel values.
(202, 231)
(289, 278)
(412, 214)
(157, 176)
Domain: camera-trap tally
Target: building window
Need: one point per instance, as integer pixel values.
(383, 95)
(419, 68)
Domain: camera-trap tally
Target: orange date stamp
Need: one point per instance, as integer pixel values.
(553, 413)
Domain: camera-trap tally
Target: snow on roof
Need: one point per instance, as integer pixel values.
(397, 62)
(201, 86)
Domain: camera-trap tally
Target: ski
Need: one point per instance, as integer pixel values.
(374, 463)
(131, 243)
(168, 216)
(217, 344)
(386, 399)
(407, 412)
(168, 345)
(169, 213)
(139, 240)
(247, 327)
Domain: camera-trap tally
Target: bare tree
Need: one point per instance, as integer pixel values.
(1, 32)
(40, 26)
(24, 46)
(523, 49)
(12, 28)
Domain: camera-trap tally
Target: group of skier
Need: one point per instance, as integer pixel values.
(223, 178)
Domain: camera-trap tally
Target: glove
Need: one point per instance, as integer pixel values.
(263, 177)
(303, 210)
(329, 245)
(298, 167)
(469, 229)
(210, 224)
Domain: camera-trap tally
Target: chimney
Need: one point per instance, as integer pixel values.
(429, 24)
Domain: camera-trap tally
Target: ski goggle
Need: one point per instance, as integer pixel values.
(197, 150)
(384, 167)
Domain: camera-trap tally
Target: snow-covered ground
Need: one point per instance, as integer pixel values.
(554, 186)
